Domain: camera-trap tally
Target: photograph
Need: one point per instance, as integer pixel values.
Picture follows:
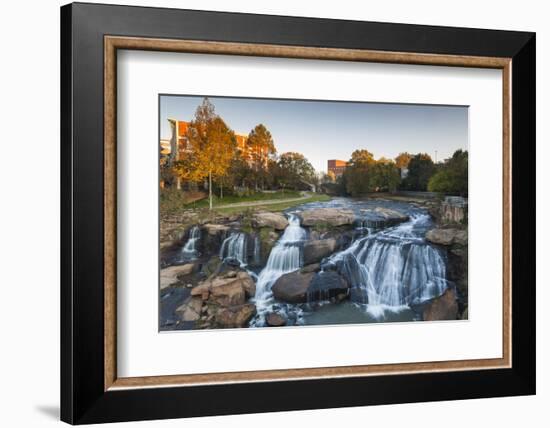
(283, 212)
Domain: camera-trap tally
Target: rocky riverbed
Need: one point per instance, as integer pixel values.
(341, 261)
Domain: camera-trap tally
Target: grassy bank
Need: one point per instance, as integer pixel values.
(254, 197)
(274, 207)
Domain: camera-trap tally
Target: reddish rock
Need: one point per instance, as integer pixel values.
(444, 307)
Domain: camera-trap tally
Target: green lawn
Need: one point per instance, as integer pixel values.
(275, 207)
(231, 199)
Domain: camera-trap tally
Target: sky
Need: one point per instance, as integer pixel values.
(323, 130)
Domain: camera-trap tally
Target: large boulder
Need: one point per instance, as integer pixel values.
(169, 276)
(276, 221)
(315, 251)
(273, 319)
(235, 316)
(447, 236)
(228, 289)
(292, 287)
(382, 217)
(190, 310)
(326, 285)
(215, 229)
(444, 307)
(331, 216)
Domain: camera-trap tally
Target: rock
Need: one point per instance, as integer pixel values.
(225, 291)
(191, 309)
(211, 266)
(274, 319)
(169, 275)
(326, 285)
(382, 217)
(330, 216)
(444, 307)
(215, 229)
(454, 209)
(292, 287)
(315, 251)
(314, 267)
(269, 219)
(447, 236)
(391, 214)
(461, 237)
(236, 316)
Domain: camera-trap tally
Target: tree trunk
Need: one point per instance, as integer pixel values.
(178, 183)
(210, 188)
(221, 191)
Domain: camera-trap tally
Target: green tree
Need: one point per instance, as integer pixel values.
(402, 160)
(212, 147)
(421, 168)
(357, 174)
(261, 148)
(384, 176)
(452, 178)
(294, 170)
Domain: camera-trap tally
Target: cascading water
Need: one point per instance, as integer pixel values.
(189, 250)
(393, 268)
(285, 257)
(234, 247)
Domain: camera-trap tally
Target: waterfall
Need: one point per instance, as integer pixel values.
(285, 257)
(392, 268)
(234, 247)
(189, 250)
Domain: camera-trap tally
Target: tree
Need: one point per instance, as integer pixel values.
(402, 160)
(261, 148)
(452, 178)
(384, 176)
(357, 173)
(212, 146)
(294, 170)
(421, 169)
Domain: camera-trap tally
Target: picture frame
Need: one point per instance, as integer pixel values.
(91, 35)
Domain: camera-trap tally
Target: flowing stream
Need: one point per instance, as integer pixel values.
(392, 269)
(235, 247)
(285, 257)
(189, 250)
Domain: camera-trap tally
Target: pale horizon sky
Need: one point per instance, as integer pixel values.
(323, 130)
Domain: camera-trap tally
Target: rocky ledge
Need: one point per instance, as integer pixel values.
(221, 301)
(331, 216)
(447, 236)
(444, 307)
(276, 221)
(306, 285)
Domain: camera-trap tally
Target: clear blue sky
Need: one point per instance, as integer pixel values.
(323, 130)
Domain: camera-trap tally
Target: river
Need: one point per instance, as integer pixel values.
(391, 271)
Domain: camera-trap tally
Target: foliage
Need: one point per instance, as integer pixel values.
(294, 171)
(212, 147)
(402, 160)
(452, 178)
(421, 168)
(173, 200)
(384, 176)
(364, 174)
(261, 148)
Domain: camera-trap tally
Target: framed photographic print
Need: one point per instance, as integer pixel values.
(276, 213)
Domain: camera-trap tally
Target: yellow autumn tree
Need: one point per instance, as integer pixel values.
(212, 145)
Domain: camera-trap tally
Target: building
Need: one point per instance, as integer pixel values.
(175, 148)
(179, 143)
(337, 167)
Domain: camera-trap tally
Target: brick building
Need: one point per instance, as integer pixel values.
(337, 167)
